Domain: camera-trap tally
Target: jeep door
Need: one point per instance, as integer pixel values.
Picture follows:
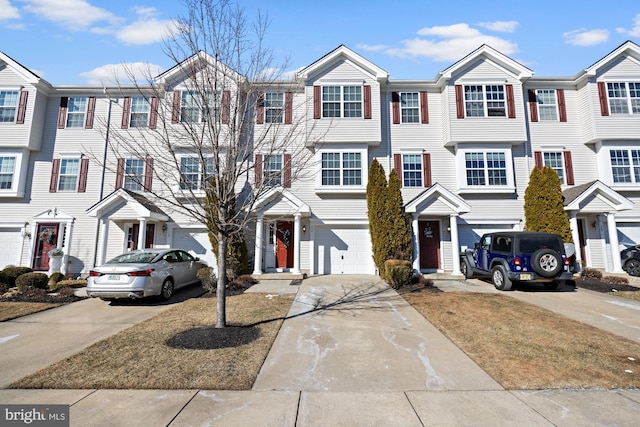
(483, 253)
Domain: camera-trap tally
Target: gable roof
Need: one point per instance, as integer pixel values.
(343, 53)
(197, 62)
(454, 202)
(485, 51)
(139, 203)
(28, 75)
(627, 48)
(575, 196)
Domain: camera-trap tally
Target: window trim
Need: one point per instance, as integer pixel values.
(62, 159)
(82, 123)
(17, 105)
(628, 149)
(628, 97)
(139, 179)
(463, 187)
(199, 190)
(352, 189)
(420, 155)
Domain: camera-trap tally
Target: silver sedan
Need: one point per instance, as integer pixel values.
(144, 273)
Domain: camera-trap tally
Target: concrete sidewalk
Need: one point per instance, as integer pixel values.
(354, 353)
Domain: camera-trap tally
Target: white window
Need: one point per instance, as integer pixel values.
(76, 109)
(625, 165)
(199, 107)
(410, 107)
(272, 170)
(7, 172)
(194, 174)
(485, 170)
(133, 174)
(139, 112)
(8, 105)
(624, 98)
(412, 170)
(485, 101)
(341, 169)
(555, 160)
(273, 107)
(69, 174)
(547, 104)
(342, 101)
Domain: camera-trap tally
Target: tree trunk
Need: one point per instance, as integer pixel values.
(221, 291)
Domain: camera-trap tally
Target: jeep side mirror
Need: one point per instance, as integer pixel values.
(476, 245)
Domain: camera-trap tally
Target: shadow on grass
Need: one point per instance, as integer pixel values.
(212, 338)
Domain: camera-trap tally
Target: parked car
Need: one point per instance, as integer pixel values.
(630, 258)
(518, 256)
(144, 273)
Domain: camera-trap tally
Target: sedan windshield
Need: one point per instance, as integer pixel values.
(139, 258)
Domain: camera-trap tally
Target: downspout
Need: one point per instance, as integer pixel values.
(102, 178)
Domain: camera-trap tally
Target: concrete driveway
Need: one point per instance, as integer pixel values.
(33, 342)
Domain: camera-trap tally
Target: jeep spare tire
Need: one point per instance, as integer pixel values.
(546, 262)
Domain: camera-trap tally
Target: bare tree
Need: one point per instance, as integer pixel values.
(205, 106)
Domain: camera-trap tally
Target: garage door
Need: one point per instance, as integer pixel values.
(196, 242)
(10, 247)
(470, 234)
(628, 233)
(343, 250)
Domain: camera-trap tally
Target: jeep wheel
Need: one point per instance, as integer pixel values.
(500, 279)
(546, 262)
(466, 269)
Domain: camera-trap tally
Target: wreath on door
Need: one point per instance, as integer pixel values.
(47, 235)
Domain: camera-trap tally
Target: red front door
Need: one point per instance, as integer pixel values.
(284, 244)
(46, 239)
(429, 244)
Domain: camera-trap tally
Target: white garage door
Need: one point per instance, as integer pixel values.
(10, 247)
(196, 242)
(343, 250)
(628, 234)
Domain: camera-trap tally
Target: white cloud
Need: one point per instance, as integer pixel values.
(371, 48)
(500, 26)
(450, 43)
(7, 11)
(122, 73)
(145, 32)
(74, 15)
(635, 31)
(584, 37)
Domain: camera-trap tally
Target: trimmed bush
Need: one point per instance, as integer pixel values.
(12, 273)
(28, 281)
(55, 278)
(66, 292)
(3, 278)
(36, 294)
(419, 279)
(591, 273)
(243, 282)
(398, 272)
(208, 279)
(68, 283)
(615, 280)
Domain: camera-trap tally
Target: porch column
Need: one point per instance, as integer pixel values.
(296, 243)
(613, 243)
(104, 237)
(455, 244)
(142, 233)
(573, 224)
(68, 229)
(414, 241)
(257, 261)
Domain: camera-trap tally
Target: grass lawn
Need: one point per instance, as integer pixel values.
(177, 349)
(525, 347)
(12, 310)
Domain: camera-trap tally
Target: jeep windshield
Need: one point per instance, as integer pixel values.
(531, 244)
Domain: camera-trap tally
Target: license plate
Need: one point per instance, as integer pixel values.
(525, 276)
(114, 277)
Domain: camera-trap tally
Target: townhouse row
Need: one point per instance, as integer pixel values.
(463, 143)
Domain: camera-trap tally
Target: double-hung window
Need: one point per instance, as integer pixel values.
(273, 107)
(486, 169)
(547, 104)
(76, 109)
(625, 165)
(342, 101)
(139, 112)
(7, 172)
(8, 105)
(485, 101)
(194, 174)
(272, 170)
(341, 169)
(199, 107)
(624, 97)
(69, 174)
(555, 160)
(412, 170)
(134, 174)
(410, 107)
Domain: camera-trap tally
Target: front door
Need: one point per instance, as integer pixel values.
(46, 239)
(284, 244)
(429, 244)
(132, 242)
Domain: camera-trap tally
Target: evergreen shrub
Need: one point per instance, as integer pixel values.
(398, 272)
(12, 273)
(28, 281)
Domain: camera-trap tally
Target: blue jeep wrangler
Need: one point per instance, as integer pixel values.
(519, 256)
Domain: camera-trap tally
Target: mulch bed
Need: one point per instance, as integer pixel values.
(48, 298)
(599, 286)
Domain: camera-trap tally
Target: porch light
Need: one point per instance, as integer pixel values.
(304, 228)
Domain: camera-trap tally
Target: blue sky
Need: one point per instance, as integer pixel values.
(81, 41)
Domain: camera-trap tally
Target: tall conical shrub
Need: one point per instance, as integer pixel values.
(378, 218)
(399, 227)
(544, 205)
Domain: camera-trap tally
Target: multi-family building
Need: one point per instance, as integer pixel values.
(463, 143)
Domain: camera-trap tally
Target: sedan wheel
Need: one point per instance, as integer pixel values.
(633, 267)
(167, 289)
